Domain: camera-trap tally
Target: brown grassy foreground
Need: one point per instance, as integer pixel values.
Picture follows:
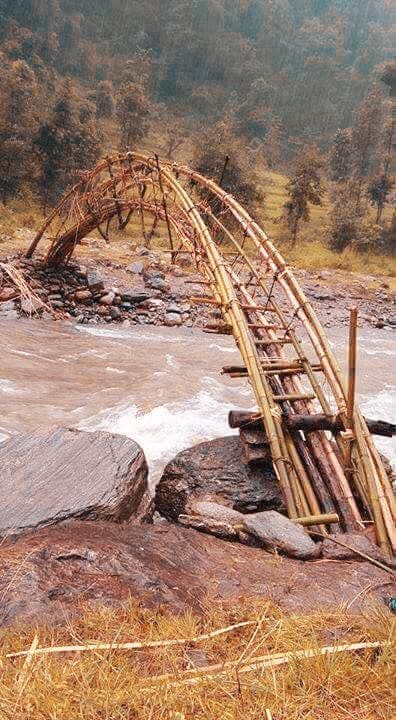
(120, 684)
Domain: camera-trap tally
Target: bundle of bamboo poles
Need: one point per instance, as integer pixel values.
(318, 474)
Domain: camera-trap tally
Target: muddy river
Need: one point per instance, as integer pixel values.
(160, 386)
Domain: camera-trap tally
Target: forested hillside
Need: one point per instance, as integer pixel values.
(263, 79)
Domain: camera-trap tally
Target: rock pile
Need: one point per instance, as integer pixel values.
(83, 294)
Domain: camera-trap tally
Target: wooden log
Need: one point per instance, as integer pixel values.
(255, 445)
(239, 418)
(285, 367)
(165, 206)
(311, 423)
(294, 397)
(349, 472)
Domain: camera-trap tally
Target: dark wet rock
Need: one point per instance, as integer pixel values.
(134, 296)
(95, 281)
(59, 568)
(277, 532)
(215, 471)
(55, 474)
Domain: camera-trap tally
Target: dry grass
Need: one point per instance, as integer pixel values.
(121, 684)
(311, 252)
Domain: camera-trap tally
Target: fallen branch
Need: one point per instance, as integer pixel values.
(24, 290)
(130, 646)
(210, 672)
(370, 559)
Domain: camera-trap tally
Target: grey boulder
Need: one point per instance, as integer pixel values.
(55, 474)
(277, 532)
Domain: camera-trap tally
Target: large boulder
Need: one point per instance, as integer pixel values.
(53, 475)
(47, 575)
(215, 471)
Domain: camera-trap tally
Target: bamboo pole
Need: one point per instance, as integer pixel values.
(353, 318)
(165, 208)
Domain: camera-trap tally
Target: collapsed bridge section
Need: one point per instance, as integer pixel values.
(255, 297)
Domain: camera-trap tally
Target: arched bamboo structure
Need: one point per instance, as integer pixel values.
(284, 349)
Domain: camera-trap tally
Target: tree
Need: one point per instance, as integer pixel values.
(345, 219)
(273, 144)
(349, 224)
(212, 146)
(66, 142)
(18, 119)
(378, 190)
(132, 108)
(340, 155)
(104, 100)
(366, 132)
(304, 188)
(172, 130)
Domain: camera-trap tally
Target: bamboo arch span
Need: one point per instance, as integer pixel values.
(249, 285)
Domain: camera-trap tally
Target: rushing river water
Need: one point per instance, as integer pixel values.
(160, 386)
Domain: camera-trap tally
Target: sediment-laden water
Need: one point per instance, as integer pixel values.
(160, 386)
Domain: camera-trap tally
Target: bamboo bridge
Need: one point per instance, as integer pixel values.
(322, 451)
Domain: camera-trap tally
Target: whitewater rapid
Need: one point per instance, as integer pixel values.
(160, 386)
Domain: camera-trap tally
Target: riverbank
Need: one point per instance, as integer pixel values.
(148, 290)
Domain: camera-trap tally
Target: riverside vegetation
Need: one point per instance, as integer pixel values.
(78, 83)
